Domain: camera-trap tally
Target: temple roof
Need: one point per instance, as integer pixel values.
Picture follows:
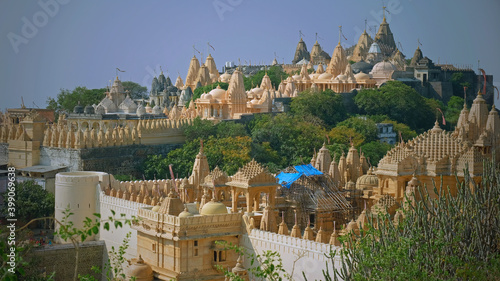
(217, 177)
(252, 174)
(435, 151)
(194, 67)
(361, 49)
(301, 52)
(385, 37)
(417, 56)
(338, 62)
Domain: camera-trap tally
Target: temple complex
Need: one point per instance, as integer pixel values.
(185, 224)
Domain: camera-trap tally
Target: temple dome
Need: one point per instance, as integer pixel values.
(225, 78)
(367, 182)
(257, 91)
(213, 208)
(383, 67)
(360, 77)
(140, 110)
(325, 76)
(218, 93)
(78, 108)
(361, 66)
(140, 270)
(157, 110)
(89, 109)
(185, 214)
(341, 77)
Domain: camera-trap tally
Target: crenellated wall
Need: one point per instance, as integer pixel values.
(115, 236)
(115, 160)
(312, 254)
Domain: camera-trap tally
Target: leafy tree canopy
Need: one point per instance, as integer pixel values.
(66, 100)
(275, 73)
(285, 137)
(400, 103)
(452, 112)
(363, 126)
(375, 150)
(32, 200)
(226, 145)
(229, 153)
(136, 91)
(325, 105)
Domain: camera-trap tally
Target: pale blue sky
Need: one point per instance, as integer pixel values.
(82, 42)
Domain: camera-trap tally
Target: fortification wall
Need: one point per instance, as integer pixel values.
(61, 259)
(312, 254)
(53, 156)
(113, 160)
(115, 236)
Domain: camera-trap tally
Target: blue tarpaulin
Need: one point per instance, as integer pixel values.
(308, 170)
(286, 179)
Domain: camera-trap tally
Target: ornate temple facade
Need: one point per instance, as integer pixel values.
(235, 101)
(185, 223)
(436, 156)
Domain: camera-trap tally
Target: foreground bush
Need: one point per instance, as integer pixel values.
(448, 238)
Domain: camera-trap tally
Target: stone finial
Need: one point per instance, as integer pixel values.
(334, 238)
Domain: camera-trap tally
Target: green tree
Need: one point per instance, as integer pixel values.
(375, 150)
(200, 128)
(362, 125)
(344, 135)
(136, 91)
(452, 112)
(336, 150)
(275, 73)
(33, 201)
(458, 83)
(227, 145)
(398, 101)
(66, 100)
(229, 153)
(325, 105)
(265, 154)
(293, 138)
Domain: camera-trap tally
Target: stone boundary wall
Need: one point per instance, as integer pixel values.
(289, 248)
(114, 236)
(123, 160)
(61, 259)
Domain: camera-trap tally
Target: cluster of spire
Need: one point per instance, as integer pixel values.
(347, 170)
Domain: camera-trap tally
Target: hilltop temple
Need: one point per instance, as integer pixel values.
(184, 223)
